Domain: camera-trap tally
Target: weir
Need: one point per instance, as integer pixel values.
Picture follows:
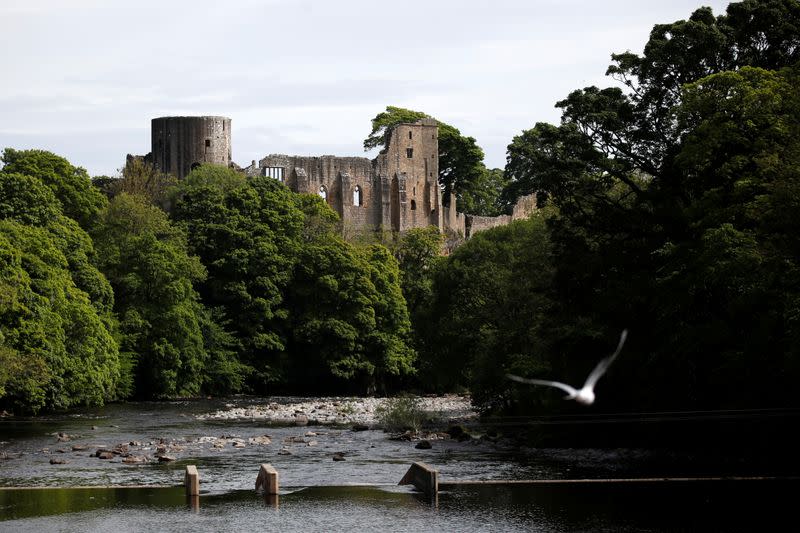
(425, 479)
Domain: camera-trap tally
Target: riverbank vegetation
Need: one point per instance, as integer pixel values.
(668, 206)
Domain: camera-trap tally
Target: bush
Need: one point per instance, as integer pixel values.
(402, 414)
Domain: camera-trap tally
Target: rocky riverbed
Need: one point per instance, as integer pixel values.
(341, 411)
(142, 443)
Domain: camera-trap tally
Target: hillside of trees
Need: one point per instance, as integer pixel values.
(668, 206)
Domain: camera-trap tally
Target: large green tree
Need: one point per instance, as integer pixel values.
(491, 298)
(146, 260)
(247, 233)
(58, 348)
(667, 195)
(71, 185)
(348, 317)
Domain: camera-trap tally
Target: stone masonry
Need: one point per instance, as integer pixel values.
(397, 191)
(181, 143)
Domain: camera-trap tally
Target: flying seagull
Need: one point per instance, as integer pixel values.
(586, 394)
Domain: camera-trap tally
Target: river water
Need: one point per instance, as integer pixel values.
(319, 493)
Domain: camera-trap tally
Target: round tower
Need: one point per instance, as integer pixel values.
(181, 143)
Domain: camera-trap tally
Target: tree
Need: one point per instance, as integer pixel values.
(58, 350)
(490, 300)
(146, 260)
(71, 185)
(461, 168)
(417, 253)
(349, 327)
(664, 191)
(139, 178)
(247, 234)
(56, 332)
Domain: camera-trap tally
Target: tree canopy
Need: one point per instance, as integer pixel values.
(667, 222)
(56, 325)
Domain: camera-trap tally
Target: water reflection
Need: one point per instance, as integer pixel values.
(193, 502)
(272, 500)
(671, 506)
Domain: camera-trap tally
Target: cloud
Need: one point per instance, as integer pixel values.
(300, 76)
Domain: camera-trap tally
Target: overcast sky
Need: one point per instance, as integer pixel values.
(83, 78)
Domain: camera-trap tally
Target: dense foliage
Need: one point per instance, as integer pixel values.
(245, 286)
(145, 259)
(56, 325)
(309, 310)
(674, 215)
(669, 207)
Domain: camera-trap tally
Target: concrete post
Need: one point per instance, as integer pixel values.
(267, 479)
(424, 478)
(192, 481)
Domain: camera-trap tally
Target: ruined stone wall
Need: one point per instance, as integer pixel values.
(348, 184)
(476, 223)
(397, 190)
(522, 209)
(178, 144)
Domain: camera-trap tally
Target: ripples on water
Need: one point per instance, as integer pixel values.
(318, 494)
(692, 506)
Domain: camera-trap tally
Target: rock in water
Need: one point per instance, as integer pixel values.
(338, 456)
(300, 420)
(56, 461)
(165, 458)
(423, 445)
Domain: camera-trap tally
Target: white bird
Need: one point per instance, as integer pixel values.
(586, 394)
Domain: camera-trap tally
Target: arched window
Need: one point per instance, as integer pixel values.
(358, 197)
(323, 192)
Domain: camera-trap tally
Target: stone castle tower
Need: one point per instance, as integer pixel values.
(181, 143)
(397, 191)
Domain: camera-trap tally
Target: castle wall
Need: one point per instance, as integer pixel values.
(180, 143)
(522, 209)
(339, 177)
(397, 190)
(476, 223)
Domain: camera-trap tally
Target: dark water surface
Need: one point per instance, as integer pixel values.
(675, 506)
(319, 494)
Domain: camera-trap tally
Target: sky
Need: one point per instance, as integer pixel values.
(83, 78)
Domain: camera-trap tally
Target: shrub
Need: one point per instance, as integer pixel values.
(401, 414)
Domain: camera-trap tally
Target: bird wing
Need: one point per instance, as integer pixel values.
(603, 365)
(563, 386)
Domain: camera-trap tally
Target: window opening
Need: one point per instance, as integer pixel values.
(409, 152)
(357, 196)
(323, 192)
(274, 172)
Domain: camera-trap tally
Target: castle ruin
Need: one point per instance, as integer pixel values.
(397, 190)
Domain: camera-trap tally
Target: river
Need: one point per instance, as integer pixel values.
(319, 493)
